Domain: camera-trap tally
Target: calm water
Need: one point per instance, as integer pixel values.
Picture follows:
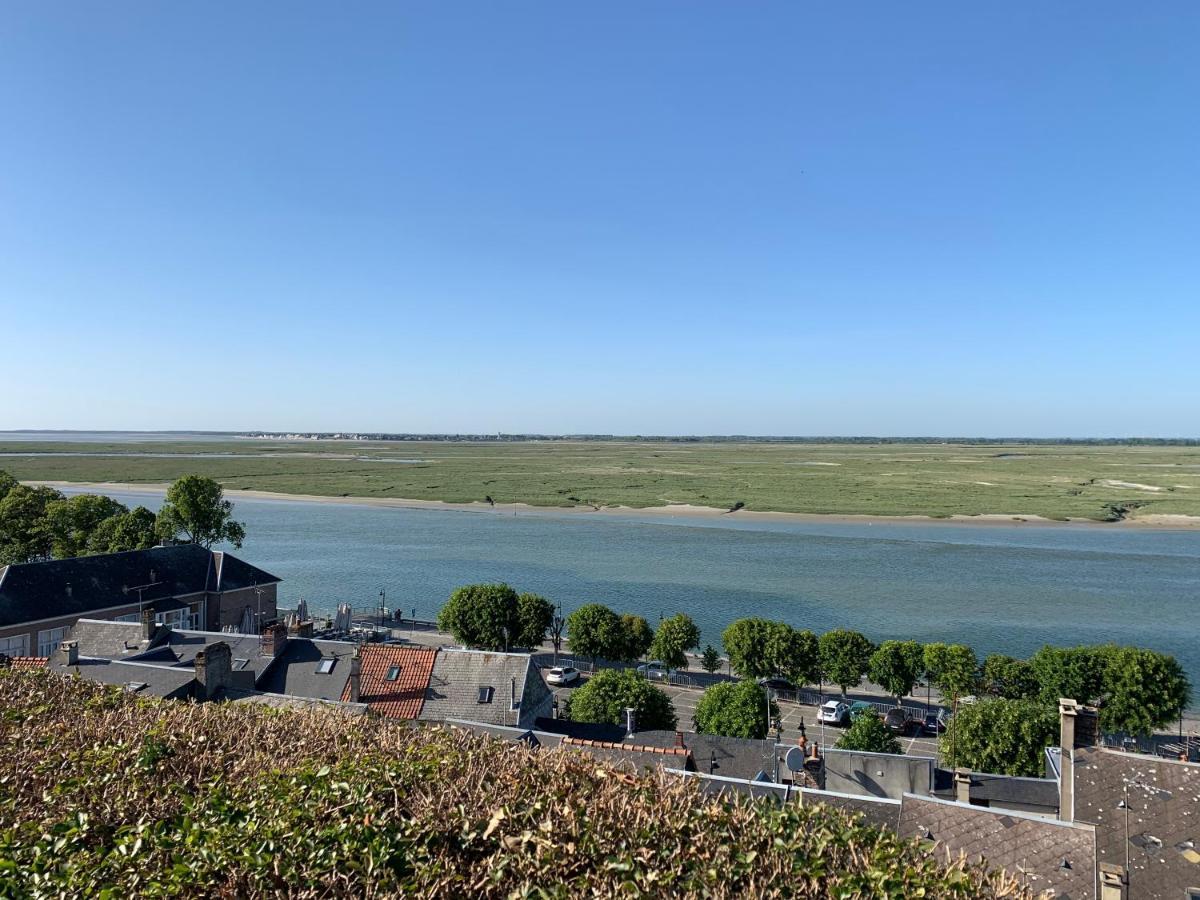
(999, 588)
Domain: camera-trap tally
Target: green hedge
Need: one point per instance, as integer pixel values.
(105, 795)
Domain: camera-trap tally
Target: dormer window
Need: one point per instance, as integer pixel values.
(485, 694)
(393, 673)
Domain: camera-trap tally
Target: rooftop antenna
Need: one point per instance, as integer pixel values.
(141, 590)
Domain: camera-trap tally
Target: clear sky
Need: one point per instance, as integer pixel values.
(791, 218)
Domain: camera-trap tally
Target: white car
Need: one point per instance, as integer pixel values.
(562, 675)
(656, 671)
(834, 712)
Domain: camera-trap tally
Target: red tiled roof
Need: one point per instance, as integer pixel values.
(29, 662)
(399, 699)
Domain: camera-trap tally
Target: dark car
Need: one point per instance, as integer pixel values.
(897, 721)
(777, 684)
(935, 723)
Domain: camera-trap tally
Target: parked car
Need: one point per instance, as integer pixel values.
(834, 712)
(897, 721)
(935, 723)
(858, 707)
(562, 675)
(777, 684)
(656, 671)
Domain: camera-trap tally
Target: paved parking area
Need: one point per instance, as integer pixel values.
(684, 701)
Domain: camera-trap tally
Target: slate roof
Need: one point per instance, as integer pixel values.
(110, 640)
(453, 691)
(1164, 816)
(158, 681)
(295, 670)
(882, 812)
(735, 757)
(399, 699)
(33, 591)
(596, 731)
(633, 758)
(180, 648)
(1030, 848)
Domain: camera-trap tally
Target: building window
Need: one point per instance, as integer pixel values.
(485, 694)
(393, 673)
(178, 619)
(131, 617)
(49, 639)
(325, 666)
(17, 645)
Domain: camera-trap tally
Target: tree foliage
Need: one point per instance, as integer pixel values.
(71, 522)
(673, 639)
(133, 530)
(1012, 679)
(735, 709)
(605, 696)
(760, 648)
(7, 483)
(710, 659)
(845, 655)
(482, 616)
(1007, 737)
(534, 614)
(896, 666)
(637, 638)
(196, 508)
(24, 534)
(597, 632)
(952, 667)
(1074, 672)
(868, 734)
(1145, 690)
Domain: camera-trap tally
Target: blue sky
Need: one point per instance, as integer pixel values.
(621, 217)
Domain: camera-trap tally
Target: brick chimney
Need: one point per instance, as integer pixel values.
(814, 768)
(355, 676)
(962, 785)
(214, 669)
(67, 653)
(274, 639)
(1077, 727)
(679, 739)
(148, 625)
(1114, 885)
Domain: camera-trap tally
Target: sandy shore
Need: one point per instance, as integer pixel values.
(673, 511)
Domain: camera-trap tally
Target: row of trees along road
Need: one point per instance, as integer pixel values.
(38, 523)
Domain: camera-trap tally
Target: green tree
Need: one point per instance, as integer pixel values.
(196, 508)
(482, 616)
(868, 734)
(710, 660)
(896, 666)
(793, 654)
(133, 530)
(1008, 737)
(605, 696)
(1012, 679)
(735, 709)
(952, 667)
(24, 535)
(534, 614)
(72, 521)
(595, 631)
(673, 639)
(1145, 690)
(1073, 672)
(844, 657)
(638, 636)
(7, 483)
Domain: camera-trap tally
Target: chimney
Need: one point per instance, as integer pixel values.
(814, 768)
(68, 653)
(1113, 883)
(679, 739)
(355, 676)
(214, 669)
(512, 693)
(148, 625)
(1077, 727)
(630, 721)
(962, 785)
(274, 639)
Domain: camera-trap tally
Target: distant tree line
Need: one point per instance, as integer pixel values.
(40, 523)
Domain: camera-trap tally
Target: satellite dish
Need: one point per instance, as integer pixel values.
(795, 760)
